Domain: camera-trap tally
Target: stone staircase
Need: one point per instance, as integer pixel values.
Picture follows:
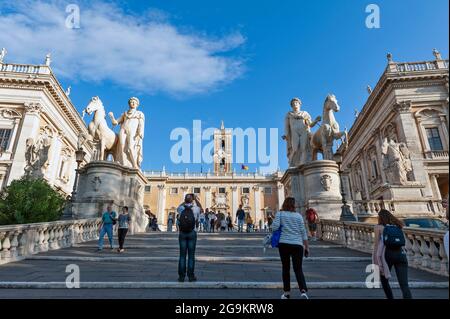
(228, 265)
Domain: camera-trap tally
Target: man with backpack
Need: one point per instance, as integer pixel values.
(312, 219)
(240, 217)
(187, 238)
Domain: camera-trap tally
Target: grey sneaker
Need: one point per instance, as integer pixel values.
(304, 296)
(284, 296)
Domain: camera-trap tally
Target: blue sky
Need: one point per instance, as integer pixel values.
(237, 61)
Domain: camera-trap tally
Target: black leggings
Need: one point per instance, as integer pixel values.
(288, 251)
(398, 259)
(122, 232)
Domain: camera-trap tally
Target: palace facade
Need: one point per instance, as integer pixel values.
(222, 190)
(397, 157)
(39, 126)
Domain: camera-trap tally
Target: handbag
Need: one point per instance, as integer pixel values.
(276, 235)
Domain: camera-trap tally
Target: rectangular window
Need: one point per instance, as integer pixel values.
(147, 188)
(267, 190)
(245, 190)
(221, 190)
(196, 190)
(434, 139)
(5, 135)
(174, 190)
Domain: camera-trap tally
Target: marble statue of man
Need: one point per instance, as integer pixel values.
(297, 128)
(130, 134)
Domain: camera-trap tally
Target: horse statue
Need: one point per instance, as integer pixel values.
(323, 138)
(100, 133)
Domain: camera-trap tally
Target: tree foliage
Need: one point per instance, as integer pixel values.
(30, 200)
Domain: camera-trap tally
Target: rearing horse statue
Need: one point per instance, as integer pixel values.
(99, 131)
(323, 138)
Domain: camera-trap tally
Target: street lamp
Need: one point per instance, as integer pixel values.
(346, 212)
(79, 158)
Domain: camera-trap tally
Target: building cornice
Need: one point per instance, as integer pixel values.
(43, 81)
(386, 84)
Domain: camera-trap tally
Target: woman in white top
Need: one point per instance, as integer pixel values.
(293, 244)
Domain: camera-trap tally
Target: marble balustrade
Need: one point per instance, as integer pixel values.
(424, 247)
(19, 241)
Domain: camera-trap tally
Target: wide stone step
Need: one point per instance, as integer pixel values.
(208, 285)
(201, 252)
(181, 294)
(127, 270)
(211, 259)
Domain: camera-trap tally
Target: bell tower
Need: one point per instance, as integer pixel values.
(223, 154)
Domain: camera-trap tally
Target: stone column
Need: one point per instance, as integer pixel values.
(53, 169)
(234, 200)
(364, 170)
(422, 135)
(445, 132)
(161, 203)
(378, 144)
(280, 190)
(257, 205)
(207, 190)
(408, 133)
(13, 135)
(30, 128)
(435, 186)
(185, 190)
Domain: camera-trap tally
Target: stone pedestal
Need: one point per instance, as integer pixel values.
(315, 185)
(103, 183)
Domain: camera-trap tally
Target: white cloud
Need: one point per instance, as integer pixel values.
(146, 53)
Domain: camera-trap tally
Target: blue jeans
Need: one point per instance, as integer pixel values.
(187, 243)
(106, 229)
(240, 224)
(169, 225)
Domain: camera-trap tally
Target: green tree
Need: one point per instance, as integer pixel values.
(30, 200)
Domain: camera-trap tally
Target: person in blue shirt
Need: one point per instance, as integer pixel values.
(108, 220)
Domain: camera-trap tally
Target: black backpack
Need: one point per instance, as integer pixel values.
(187, 220)
(393, 236)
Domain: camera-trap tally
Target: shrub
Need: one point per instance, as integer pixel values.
(30, 200)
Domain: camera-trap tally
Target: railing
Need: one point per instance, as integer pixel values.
(440, 155)
(19, 241)
(416, 66)
(207, 175)
(24, 68)
(366, 208)
(424, 248)
(371, 207)
(419, 66)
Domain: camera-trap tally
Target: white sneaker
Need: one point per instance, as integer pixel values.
(284, 296)
(304, 296)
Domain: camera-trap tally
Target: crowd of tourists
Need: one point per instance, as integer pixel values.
(290, 233)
